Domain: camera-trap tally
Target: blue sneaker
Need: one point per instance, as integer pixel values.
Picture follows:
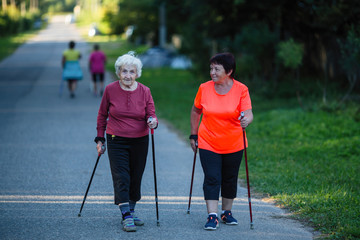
(227, 218)
(212, 222)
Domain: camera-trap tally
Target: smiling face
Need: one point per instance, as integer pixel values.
(127, 75)
(217, 73)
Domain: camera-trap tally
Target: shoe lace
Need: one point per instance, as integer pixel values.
(129, 221)
(212, 219)
(227, 215)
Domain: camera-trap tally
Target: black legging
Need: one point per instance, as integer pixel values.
(101, 77)
(127, 162)
(220, 171)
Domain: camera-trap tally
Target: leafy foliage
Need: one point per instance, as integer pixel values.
(290, 53)
(350, 58)
(13, 22)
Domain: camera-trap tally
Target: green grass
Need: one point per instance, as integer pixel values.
(309, 162)
(173, 92)
(10, 43)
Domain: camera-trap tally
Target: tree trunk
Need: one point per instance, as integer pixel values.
(352, 80)
(4, 4)
(298, 96)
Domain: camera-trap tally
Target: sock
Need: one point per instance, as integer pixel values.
(223, 211)
(125, 210)
(213, 213)
(132, 206)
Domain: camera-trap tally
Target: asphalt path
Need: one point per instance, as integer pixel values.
(47, 155)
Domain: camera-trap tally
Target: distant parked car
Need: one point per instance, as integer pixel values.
(161, 57)
(156, 57)
(181, 62)
(93, 30)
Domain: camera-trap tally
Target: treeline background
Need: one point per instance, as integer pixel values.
(304, 48)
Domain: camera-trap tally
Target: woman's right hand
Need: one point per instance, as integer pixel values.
(193, 144)
(100, 147)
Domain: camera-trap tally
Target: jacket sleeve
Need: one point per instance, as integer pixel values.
(103, 114)
(150, 105)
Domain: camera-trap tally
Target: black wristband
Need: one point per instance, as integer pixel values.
(193, 136)
(101, 139)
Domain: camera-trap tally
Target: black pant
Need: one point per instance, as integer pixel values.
(221, 171)
(127, 162)
(101, 77)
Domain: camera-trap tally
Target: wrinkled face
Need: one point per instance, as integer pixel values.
(217, 73)
(128, 75)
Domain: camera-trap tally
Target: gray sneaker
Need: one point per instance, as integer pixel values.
(129, 225)
(137, 221)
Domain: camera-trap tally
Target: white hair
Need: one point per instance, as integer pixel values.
(128, 59)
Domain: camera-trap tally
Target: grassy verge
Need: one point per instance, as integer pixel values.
(11, 43)
(307, 161)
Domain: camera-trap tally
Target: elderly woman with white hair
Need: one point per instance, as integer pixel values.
(126, 113)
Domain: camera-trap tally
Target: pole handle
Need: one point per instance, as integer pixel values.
(102, 148)
(242, 115)
(151, 129)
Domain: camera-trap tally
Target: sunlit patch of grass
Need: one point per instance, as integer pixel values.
(11, 43)
(310, 163)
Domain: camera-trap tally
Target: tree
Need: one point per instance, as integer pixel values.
(142, 14)
(251, 30)
(350, 59)
(290, 54)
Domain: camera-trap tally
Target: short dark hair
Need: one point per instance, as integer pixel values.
(96, 47)
(227, 60)
(71, 44)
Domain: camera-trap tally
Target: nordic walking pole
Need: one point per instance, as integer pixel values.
(247, 175)
(192, 179)
(92, 175)
(154, 167)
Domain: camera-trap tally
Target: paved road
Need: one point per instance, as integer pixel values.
(47, 155)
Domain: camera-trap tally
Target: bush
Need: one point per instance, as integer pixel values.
(11, 21)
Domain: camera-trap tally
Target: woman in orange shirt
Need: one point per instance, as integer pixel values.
(219, 136)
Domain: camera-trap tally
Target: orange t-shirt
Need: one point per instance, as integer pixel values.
(220, 130)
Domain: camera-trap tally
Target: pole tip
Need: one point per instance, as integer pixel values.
(79, 215)
(188, 211)
(251, 226)
(158, 223)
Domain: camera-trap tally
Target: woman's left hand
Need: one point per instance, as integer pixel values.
(247, 119)
(152, 122)
(244, 122)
